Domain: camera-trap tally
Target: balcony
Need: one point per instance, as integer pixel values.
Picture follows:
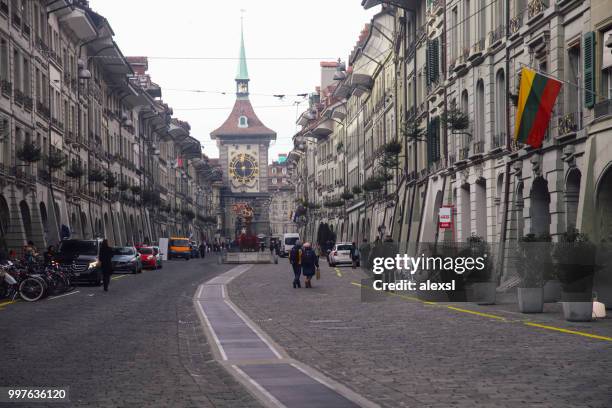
(6, 88)
(477, 50)
(19, 97)
(535, 8)
(516, 23)
(4, 8)
(28, 103)
(603, 108)
(16, 20)
(41, 46)
(498, 142)
(477, 149)
(495, 36)
(569, 123)
(43, 110)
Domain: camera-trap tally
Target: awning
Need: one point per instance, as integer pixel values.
(79, 22)
(113, 61)
(404, 4)
(190, 148)
(323, 129)
(376, 49)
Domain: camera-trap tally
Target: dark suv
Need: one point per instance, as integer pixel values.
(82, 258)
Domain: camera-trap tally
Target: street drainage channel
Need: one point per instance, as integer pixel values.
(259, 364)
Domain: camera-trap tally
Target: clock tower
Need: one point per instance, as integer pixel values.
(243, 142)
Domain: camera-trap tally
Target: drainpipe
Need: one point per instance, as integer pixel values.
(504, 228)
(414, 143)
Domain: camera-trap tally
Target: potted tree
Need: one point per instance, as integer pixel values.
(575, 260)
(533, 259)
(480, 285)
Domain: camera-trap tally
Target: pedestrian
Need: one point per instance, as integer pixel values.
(202, 250)
(106, 255)
(295, 259)
(354, 254)
(310, 264)
(49, 256)
(29, 252)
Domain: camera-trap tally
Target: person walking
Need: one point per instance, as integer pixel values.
(310, 264)
(354, 255)
(106, 255)
(49, 256)
(295, 259)
(203, 250)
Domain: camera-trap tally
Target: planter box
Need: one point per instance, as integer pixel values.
(482, 293)
(578, 311)
(531, 300)
(552, 291)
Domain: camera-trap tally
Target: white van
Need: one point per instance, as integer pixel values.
(288, 241)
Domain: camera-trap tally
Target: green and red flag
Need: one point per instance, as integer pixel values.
(536, 98)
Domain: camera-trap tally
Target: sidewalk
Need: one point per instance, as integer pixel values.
(399, 352)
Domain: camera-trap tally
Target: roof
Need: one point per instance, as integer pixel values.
(243, 73)
(243, 107)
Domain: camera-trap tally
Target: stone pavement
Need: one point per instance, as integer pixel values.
(398, 352)
(139, 345)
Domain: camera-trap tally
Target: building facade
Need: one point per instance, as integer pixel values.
(87, 147)
(418, 62)
(282, 193)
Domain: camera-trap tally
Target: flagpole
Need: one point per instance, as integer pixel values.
(546, 74)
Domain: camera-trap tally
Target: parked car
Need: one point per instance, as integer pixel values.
(179, 248)
(149, 257)
(158, 256)
(195, 250)
(126, 259)
(82, 258)
(341, 254)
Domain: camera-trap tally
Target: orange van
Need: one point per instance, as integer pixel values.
(179, 248)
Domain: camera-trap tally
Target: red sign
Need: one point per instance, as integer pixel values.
(445, 218)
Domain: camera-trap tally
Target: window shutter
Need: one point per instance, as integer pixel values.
(435, 59)
(589, 69)
(428, 63)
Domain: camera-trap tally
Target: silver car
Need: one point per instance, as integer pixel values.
(126, 259)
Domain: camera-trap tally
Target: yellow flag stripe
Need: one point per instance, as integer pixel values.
(527, 76)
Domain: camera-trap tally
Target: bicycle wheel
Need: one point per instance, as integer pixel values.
(31, 289)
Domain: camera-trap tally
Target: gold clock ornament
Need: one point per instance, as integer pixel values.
(243, 168)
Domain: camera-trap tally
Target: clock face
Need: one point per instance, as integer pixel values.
(243, 168)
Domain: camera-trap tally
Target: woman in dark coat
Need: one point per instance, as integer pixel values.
(106, 255)
(310, 263)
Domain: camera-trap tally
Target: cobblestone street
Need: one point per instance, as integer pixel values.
(139, 345)
(396, 351)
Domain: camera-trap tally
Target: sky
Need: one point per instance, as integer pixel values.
(285, 40)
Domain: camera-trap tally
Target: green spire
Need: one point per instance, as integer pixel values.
(243, 72)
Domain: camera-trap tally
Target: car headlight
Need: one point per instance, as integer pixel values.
(94, 264)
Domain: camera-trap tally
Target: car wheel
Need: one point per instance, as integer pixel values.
(135, 271)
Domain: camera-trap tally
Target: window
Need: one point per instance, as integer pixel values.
(453, 33)
(482, 20)
(243, 122)
(500, 109)
(572, 97)
(480, 111)
(466, 24)
(4, 60)
(606, 66)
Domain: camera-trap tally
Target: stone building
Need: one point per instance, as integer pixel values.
(282, 193)
(417, 61)
(87, 146)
